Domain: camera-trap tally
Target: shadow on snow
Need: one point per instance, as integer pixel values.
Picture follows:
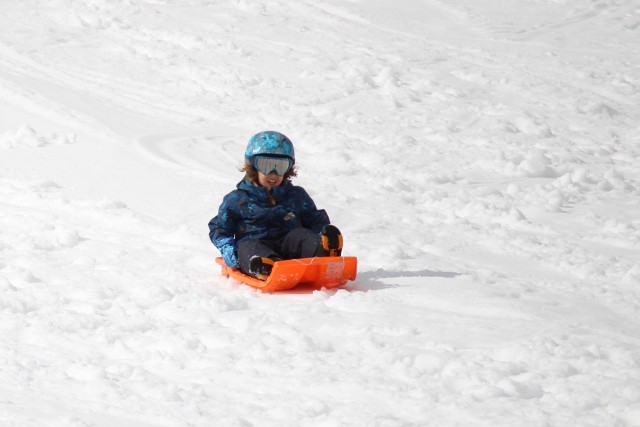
(372, 281)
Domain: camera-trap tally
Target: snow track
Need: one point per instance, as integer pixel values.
(481, 160)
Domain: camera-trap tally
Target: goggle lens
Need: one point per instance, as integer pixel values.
(266, 165)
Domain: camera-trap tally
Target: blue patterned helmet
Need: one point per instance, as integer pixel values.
(270, 143)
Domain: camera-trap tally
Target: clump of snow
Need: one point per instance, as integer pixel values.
(536, 164)
(26, 136)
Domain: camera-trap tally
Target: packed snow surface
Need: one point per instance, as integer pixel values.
(480, 157)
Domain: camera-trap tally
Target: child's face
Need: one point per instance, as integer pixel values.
(269, 181)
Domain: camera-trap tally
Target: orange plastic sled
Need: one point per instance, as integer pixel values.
(322, 272)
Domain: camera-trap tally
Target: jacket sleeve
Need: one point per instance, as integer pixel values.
(222, 227)
(312, 217)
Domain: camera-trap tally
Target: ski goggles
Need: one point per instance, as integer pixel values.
(267, 165)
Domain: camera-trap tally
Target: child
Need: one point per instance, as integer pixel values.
(266, 218)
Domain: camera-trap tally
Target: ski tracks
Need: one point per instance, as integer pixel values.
(205, 156)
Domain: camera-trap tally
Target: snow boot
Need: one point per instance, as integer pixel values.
(260, 267)
(331, 240)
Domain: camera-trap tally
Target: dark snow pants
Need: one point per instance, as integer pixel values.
(298, 243)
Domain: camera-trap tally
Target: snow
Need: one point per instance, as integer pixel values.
(481, 159)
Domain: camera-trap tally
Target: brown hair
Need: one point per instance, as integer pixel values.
(251, 173)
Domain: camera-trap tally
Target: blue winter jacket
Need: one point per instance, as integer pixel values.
(245, 214)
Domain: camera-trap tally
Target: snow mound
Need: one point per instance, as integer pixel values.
(26, 136)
